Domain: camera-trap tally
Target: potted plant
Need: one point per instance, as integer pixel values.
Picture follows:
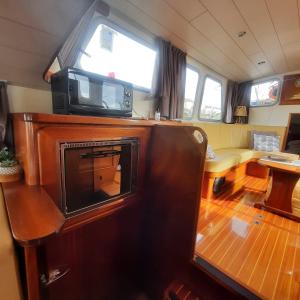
(9, 167)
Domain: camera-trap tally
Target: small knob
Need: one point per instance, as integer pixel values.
(127, 93)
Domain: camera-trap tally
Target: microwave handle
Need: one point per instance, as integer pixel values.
(99, 154)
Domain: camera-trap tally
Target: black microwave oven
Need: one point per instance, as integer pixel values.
(84, 93)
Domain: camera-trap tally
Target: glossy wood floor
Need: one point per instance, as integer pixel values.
(257, 249)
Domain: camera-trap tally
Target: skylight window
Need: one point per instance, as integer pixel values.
(113, 54)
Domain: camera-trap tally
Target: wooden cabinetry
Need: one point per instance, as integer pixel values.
(100, 259)
(113, 250)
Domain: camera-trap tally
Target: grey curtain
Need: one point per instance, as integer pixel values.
(244, 94)
(171, 76)
(3, 112)
(71, 48)
(237, 94)
(231, 101)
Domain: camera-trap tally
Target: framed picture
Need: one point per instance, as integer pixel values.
(290, 93)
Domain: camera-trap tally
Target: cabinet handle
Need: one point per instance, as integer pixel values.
(54, 275)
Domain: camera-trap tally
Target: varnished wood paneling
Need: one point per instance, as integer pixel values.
(27, 126)
(49, 139)
(102, 258)
(90, 120)
(32, 273)
(32, 213)
(173, 197)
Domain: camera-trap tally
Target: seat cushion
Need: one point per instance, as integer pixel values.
(296, 196)
(296, 212)
(227, 158)
(245, 154)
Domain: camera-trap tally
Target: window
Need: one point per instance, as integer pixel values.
(265, 93)
(191, 84)
(211, 104)
(111, 53)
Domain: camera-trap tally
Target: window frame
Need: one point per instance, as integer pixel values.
(193, 68)
(201, 99)
(98, 20)
(263, 81)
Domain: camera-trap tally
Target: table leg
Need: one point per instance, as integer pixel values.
(283, 185)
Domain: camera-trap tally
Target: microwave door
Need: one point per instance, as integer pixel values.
(112, 96)
(86, 92)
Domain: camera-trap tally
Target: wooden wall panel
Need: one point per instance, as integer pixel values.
(173, 199)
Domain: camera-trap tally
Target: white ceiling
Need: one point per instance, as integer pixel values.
(30, 33)
(32, 30)
(208, 31)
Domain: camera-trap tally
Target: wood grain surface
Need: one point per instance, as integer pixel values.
(257, 249)
(32, 214)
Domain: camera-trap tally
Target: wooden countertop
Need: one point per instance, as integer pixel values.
(32, 214)
(91, 120)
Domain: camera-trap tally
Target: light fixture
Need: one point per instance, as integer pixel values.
(240, 113)
(241, 34)
(261, 62)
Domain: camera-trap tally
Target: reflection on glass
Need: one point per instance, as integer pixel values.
(107, 179)
(96, 174)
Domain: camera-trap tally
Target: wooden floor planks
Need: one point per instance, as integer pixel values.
(259, 250)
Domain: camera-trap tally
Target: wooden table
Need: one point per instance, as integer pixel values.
(284, 179)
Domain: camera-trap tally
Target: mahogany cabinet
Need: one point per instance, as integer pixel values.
(139, 242)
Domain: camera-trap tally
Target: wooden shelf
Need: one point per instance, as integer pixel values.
(32, 214)
(34, 217)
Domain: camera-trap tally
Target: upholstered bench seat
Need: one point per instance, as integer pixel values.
(231, 157)
(233, 164)
(296, 199)
(234, 160)
(227, 158)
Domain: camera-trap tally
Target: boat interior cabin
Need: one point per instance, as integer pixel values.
(149, 149)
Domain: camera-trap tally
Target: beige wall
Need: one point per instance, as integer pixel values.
(276, 115)
(222, 135)
(23, 99)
